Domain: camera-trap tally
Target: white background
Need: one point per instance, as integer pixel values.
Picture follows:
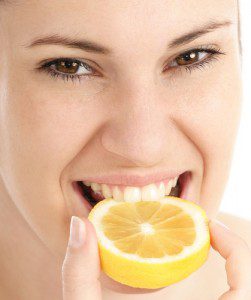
(237, 198)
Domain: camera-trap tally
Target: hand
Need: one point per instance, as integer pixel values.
(238, 261)
(81, 266)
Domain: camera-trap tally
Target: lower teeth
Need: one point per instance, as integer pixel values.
(98, 196)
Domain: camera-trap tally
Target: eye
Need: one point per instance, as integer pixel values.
(190, 58)
(195, 58)
(67, 68)
(71, 67)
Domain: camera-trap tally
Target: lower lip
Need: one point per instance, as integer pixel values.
(184, 181)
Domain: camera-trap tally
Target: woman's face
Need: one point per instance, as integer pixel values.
(145, 107)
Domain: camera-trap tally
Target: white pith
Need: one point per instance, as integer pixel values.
(148, 192)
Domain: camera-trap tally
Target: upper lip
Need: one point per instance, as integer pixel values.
(131, 179)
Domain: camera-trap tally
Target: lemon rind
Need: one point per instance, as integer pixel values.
(151, 276)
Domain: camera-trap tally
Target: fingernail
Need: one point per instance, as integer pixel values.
(77, 232)
(219, 223)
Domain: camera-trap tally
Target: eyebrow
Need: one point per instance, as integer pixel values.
(190, 36)
(90, 46)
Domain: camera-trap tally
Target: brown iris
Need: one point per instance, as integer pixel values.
(187, 58)
(67, 67)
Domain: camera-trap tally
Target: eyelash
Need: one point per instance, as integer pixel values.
(211, 50)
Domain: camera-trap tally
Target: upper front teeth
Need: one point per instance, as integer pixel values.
(149, 192)
(131, 194)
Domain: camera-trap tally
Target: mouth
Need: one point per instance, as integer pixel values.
(94, 192)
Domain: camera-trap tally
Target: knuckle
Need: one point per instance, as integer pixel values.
(73, 276)
(72, 279)
(71, 260)
(240, 294)
(75, 282)
(72, 287)
(69, 271)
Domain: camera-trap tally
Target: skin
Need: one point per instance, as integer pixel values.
(133, 116)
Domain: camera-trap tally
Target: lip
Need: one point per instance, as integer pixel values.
(132, 179)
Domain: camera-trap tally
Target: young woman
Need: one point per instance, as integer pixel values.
(118, 93)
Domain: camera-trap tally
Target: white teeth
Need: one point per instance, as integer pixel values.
(175, 180)
(162, 190)
(132, 194)
(117, 194)
(150, 193)
(106, 191)
(168, 187)
(96, 187)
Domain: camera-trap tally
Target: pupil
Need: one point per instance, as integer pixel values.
(187, 57)
(70, 67)
(68, 64)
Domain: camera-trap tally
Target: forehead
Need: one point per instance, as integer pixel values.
(112, 22)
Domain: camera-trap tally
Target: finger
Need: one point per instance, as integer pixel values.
(81, 267)
(236, 295)
(238, 258)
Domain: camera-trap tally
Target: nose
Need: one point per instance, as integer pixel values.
(139, 128)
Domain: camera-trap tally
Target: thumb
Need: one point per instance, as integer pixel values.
(238, 260)
(81, 266)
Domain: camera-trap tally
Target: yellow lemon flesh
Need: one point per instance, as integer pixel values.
(150, 244)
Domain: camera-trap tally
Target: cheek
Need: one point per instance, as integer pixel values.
(41, 136)
(210, 118)
(50, 130)
(49, 121)
(214, 118)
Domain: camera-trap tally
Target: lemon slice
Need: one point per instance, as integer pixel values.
(150, 244)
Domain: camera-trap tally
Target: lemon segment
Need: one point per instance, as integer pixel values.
(150, 244)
